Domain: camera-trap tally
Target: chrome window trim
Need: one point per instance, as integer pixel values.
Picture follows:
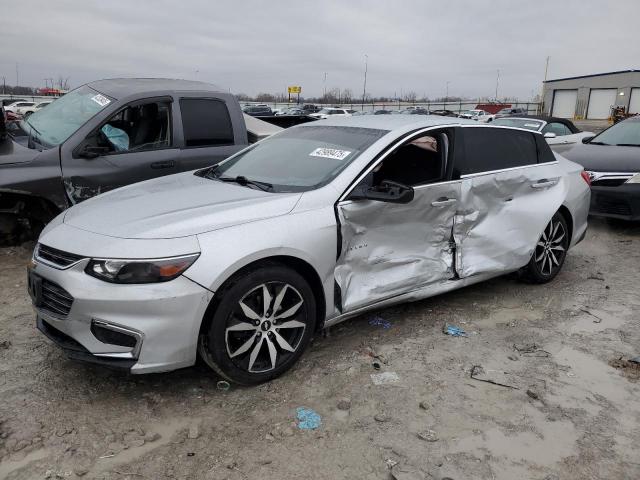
(491, 172)
(391, 148)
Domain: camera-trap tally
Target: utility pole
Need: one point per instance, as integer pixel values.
(17, 76)
(4, 85)
(364, 90)
(324, 96)
(497, 81)
(546, 70)
(446, 98)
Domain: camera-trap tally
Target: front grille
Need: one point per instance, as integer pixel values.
(609, 182)
(610, 206)
(55, 299)
(56, 257)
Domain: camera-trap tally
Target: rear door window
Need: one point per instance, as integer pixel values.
(558, 128)
(205, 122)
(487, 149)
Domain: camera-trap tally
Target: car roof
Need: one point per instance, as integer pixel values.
(123, 87)
(548, 119)
(392, 122)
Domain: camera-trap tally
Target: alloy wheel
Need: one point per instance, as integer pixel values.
(266, 327)
(550, 249)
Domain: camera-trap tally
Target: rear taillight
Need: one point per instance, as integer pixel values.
(586, 177)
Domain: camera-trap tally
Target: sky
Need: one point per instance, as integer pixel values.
(252, 46)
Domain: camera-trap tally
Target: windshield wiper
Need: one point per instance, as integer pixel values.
(244, 181)
(599, 143)
(627, 145)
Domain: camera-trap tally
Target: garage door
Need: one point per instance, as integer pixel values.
(564, 103)
(634, 102)
(600, 102)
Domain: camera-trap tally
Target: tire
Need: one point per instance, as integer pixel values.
(250, 342)
(549, 253)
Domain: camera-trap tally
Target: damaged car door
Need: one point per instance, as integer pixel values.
(511, 188)
(393, 241)
(136, 143)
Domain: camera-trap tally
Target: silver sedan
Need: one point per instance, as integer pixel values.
(243, 262)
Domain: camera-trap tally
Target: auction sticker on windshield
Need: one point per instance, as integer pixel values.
(332, 153)
(101, 100)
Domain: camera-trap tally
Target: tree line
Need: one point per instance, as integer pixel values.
(342, 96)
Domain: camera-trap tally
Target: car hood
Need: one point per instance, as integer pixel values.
(605, 158)
(12, 152)
(176, 206)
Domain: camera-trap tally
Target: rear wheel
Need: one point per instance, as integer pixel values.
(550, 252)
(263, 322)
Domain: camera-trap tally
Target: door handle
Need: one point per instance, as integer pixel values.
(443, 202)
(165, 164)
(544, 183)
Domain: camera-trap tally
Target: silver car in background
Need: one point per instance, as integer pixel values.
(244, 261)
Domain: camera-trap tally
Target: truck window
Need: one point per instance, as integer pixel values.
(205, 122)
(137, 128)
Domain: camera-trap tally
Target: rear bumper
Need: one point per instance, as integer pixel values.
(621, 202)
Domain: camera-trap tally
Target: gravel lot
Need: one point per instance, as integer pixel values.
(572, 412)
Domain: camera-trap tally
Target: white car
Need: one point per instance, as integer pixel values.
(332, 112)
(18, 107)
(561, 134)
(478, 115)
(245, 261)
(26, 111)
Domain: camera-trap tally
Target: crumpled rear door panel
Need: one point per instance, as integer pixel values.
(501, 217)
(389, 249)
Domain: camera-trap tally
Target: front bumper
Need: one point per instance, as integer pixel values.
(622, 201)
(162, 319)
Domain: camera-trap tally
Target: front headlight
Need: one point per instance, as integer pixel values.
(139, 271)
(634, 179)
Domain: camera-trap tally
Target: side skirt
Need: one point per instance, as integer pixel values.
(415, 295)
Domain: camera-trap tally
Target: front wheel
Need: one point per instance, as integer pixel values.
(550, 252)
(264, 320)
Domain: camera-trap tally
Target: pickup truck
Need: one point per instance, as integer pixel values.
(111, 133)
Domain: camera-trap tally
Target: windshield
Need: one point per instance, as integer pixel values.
(519, 123)
(299, 159)
(623, 133)
(53, 125)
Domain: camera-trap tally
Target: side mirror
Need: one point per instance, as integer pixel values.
(387, 191)
(588, 139)
(90, 151)
(549, 135)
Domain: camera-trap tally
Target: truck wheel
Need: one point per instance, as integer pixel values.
(263, 322)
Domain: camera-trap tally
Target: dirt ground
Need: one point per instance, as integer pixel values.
(570, 410)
